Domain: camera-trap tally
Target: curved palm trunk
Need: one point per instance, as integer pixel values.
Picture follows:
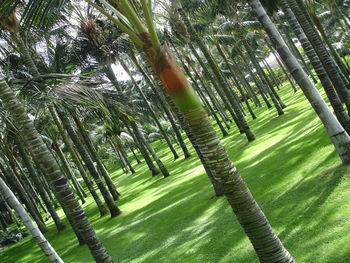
(339, 110)
(113, 209)
(69, 172)
(27, 162)
(111, 187)
(252, 219)
(33, 230)
(63, 192)
(77, 162)
(321, 51)
(336, 132)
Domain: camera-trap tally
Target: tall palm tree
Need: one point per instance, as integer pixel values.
(64, 194)
(45, 246)
(335, 131)
(266, 243)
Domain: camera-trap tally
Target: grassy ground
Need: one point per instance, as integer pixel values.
(291, 169)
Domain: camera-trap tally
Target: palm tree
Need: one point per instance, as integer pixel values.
(335, 101)
(65, 196)
(76, 160)
(113, 209)
(35, 177)
(45, 246)
(335, 131)
(341, 85)
(265, 241)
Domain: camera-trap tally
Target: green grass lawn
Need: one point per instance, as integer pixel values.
(292, 171)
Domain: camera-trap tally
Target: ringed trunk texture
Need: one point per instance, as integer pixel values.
(63, 192)
(266, 243)
(59, 224)
(113, 209)
(339, 110)
(336, 132)
(77, 162)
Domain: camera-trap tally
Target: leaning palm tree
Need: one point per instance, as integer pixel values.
(266, 243)
(45, 246)
(39, 150)
(335, 131)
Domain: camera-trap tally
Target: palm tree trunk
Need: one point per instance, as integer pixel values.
(280, 64)
(77, 162)
(273, 95)
(296, 53)
(149, 148)
(33, 230)
(150, 110)
(210, 93)
(217, 88)
(336, 132)
(167, 112)
(252, 219)
(9, 210)
(236, 81)
(205, 101)
(113, 209)
(321, 51)
(339, 110)
(59, 224)
(13, 181)
(118, 145)
(64, 194)
(122, 161)
(242, 79)
(207, 89)
(249, 134)
(111, 187)
(133, 153)
(111, 76)
(258, 83)
(143, 150)
(69, 172)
